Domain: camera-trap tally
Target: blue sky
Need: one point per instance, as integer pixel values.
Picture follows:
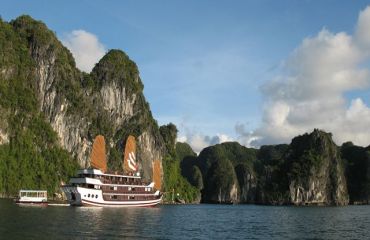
(205, 64)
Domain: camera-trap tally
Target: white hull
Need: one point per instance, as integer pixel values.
(79, 196)
(151, 203)
(31, 200)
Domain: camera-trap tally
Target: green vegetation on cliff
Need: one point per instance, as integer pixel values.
(189, 170)
(357, 172)
(307, 171)
(40, 85)
(33, 160)
(272, 175)
(30, 156)
(223, 172)
(174, 182)
(125, 73)
(38, 79)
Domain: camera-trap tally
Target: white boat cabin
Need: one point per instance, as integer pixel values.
(32, 196)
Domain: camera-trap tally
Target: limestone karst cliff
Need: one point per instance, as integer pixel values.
(309, 171)
(357, 164)
(77, 105)
(316, 171)
(228, 173)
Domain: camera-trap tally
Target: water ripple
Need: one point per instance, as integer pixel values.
(184, 222)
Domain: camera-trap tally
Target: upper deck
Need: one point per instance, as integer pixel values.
(91, 172)
(97, 177)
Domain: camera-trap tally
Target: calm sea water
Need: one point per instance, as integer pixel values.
(184, 222)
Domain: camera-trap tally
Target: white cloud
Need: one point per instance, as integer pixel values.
(85, 48)
(244, 137)
(362, 35)
(199, 141)
(223, 138)
(181, 139)
(310, 91)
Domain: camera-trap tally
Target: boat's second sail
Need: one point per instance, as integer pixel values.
(129, 158)
(98, 157)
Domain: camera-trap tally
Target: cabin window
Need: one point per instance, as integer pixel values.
(133, 189)
(111, 188)
(114, 197)
(88, 195)
(92, 195)
(96, 196)
(132, 197)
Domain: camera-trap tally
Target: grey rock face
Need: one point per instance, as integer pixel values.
(247, 184)
(324, 183)
(110, 107)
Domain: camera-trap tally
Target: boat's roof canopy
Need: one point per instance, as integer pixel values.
(40, 191)
(99, 172)
(90, 171)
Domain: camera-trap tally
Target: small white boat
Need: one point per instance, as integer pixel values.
(32, 197)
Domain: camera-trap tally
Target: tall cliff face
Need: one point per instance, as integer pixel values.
(30, 155)
(309, 171)
(79, 106)
(228, 173)
(272, 180)
(316, 171)
(357, 161)
(247, 181)
(221, 184)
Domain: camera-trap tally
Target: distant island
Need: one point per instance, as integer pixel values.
(51, 112)
(311, 170)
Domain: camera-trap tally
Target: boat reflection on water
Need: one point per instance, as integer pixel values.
(123, 222)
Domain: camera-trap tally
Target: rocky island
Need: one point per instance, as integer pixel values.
(311, 170)
(51, 112)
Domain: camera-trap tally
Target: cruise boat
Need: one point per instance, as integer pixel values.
(39, 197)
(97, 187)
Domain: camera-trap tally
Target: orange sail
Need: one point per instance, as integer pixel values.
(157, 174)
(129, 158)
(98, 157)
